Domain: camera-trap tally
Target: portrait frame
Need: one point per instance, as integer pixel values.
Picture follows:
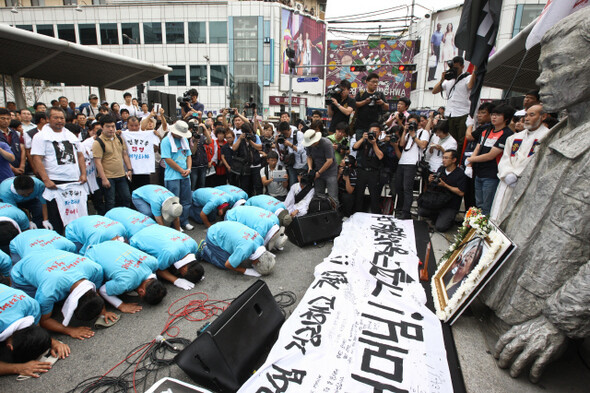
(461, 277)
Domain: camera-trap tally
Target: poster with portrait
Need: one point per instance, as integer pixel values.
(442, 44)
(307, 37)
(461, 277)
(376, 56)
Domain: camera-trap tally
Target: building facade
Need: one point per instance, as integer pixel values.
(229, 51)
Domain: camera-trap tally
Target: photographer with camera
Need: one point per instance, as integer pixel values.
(289, 144)
(320, 161)
(399, 117)
(246, 162)
(346, 185)
(340, 142)
(340, 105)
(442, 199)
(412, 143)
(389, 145)
(200, 136)
(370, 105)
(457, 86)
(369, 156)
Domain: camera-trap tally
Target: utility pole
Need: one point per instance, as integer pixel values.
(290, 52)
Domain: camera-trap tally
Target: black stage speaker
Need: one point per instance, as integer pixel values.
(227, 352)
(314, 227)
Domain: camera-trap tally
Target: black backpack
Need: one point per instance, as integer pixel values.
(321, 203)
(101, 142)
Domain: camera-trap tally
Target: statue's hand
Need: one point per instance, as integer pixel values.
(535, 341)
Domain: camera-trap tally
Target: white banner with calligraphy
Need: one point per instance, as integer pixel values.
(362, 326)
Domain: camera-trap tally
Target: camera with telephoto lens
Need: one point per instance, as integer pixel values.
(347, 166)
(281, 140)
(195, 129)
(412, 126)
(267, 144)
(436, 179)
(250, 136)
(371, 135)
(333, 92)
(373, 98)
(342, 146)
(452, 71)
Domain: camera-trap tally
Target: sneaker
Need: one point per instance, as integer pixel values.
(189, 227)
(199, 253)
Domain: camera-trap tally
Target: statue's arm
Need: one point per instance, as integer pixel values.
(568, 309)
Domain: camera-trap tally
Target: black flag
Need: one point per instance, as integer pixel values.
(476, 35)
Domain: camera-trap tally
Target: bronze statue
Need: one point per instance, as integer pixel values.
(543, 290)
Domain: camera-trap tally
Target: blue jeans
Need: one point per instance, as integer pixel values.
(35, 208)
(182, 189)
(485, 190)
(26, 288)
(195, 214)
(213, 254)
(143, 207)
(119, 187)
(198, 176)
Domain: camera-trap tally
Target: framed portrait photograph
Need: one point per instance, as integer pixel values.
(470, 266)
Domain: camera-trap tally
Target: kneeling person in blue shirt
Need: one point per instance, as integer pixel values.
(22, 337)
(262, 221)
(158, 202)
(238, 196)
(27, 192)
(127, 269)
(234, 246)
(206, 202)
(273, 205)
(54, 275)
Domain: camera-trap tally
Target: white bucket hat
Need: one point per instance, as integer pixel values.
(171, 208)
(310, 137)
(180, 128)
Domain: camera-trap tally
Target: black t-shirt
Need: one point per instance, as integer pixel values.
(486, 140)
(338, 116)
(458, 179)
(228, 153)
(366, 115)
(342, 182)
(367, 158)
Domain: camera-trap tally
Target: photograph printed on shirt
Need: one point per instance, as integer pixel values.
(64, 152)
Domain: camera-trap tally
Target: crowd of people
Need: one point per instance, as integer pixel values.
(146, 178)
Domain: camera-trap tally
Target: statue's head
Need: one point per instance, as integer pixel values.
(564, 63)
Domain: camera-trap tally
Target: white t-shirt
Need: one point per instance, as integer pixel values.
(411, 153)
(91, 182)
(71, 201)
(458, 104)
(140, 147)
(435, 158)
(130, 108)
(60, 153)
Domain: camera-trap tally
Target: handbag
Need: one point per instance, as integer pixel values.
(240, 166)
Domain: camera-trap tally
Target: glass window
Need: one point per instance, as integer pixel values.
(46, 30)
(218, 75)
(196, 33)
(98, 2)
(37, 3)
(70, 2)
(11, 3)
(198, 75)
(152, 33)
(177, 77)
(175, 32)
(218, 32)
(87, 33)
(108, 34)
(130, 33)
(525, 14)
(158, 81)
(26, 27)
(66, 32)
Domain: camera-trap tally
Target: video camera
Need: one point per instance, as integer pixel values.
(185, 99)
(333, 92)
(452, 71)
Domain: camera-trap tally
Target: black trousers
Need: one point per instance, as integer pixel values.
(443, 218)
(367, 178)
(347, 203)
(404, 188)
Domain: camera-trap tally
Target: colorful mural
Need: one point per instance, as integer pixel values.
(375, 55)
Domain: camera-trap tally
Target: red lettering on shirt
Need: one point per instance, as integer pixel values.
(11, 302)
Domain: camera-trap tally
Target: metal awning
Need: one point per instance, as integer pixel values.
(503, 65)
(32, 55)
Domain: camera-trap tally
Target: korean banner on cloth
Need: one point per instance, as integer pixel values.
(71, 201)
(362, 326)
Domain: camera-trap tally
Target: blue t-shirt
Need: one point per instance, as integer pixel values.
(90, 230)
(53, 272)
(5, 264)
(266, 202)
(236, 193)
(166, 244)
(8, 195)
(236, 239)
(210, 198)
(436, 38)
(254, 217)
(154, 195)
(179, 157)
(39, 240)
(15, 305)
(5, 171)
(125, 267)
(133, 220)
(13, 212)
